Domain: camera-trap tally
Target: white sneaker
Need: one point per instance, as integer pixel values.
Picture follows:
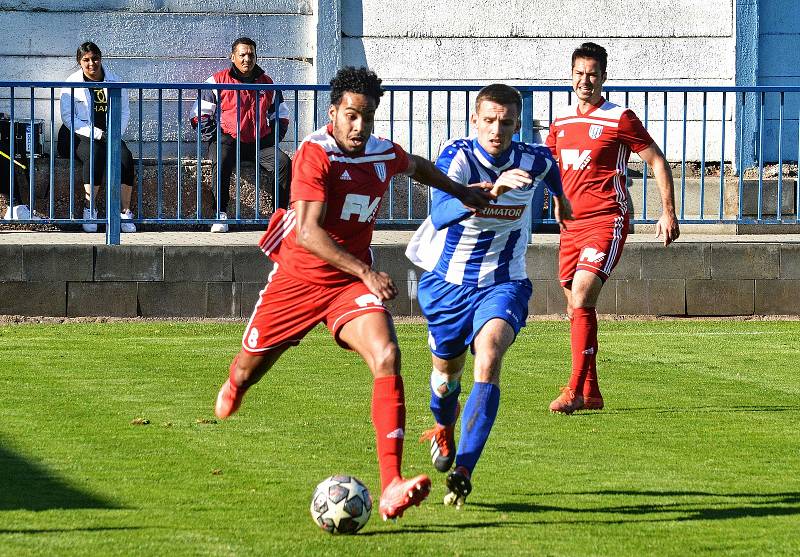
(20, 212)
(89, 227)
(125, 224)
(220, 226)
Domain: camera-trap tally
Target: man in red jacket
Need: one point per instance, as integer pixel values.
(273, 119)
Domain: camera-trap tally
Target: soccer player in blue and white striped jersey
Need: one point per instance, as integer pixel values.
(475, 292)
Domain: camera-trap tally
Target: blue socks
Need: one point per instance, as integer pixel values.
(476, 423)
(444, 408)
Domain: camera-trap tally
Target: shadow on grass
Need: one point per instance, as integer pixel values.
(687, 410)
(28, 486)
(436, 528)
(723, 506)
(66, 530)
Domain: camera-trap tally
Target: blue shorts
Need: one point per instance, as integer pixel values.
(456, 313)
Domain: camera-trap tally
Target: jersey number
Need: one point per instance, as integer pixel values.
(357, 204)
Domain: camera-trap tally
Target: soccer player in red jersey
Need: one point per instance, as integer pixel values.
(323, 273)
(592, 140)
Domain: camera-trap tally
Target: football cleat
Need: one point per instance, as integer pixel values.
(443, 444)
(459, 486)
(228, 400)
(567, 402)
(401, 494)
(592, 402)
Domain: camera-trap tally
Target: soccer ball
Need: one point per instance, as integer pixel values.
(341, 505)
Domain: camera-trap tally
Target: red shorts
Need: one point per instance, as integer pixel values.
(593, 246)
(287, 309)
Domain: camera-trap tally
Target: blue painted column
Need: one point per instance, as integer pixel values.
(747, 76)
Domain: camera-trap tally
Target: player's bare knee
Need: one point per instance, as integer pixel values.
(385, 360)
(487, 367)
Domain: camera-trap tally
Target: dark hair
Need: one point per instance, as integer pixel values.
(500, 94)
(85, 48)
(593, 51)
(243, 40)
(355, 80)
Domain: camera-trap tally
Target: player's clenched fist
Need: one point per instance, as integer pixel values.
(510, 180)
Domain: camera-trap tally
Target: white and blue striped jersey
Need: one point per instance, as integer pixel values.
(486, 247)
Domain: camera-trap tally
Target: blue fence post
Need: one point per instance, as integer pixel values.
(526, 131)
(113, 167)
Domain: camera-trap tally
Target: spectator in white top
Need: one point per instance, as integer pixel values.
(84, 114)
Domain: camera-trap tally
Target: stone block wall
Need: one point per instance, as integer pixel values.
(690, 278)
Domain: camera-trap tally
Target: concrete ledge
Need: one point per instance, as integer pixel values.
(12, 268)
(113, 299)
(777, 297)
(33, 298)
(745, 261)
(133, 263)
(697, 276)
(720, 297)
(197, 263)
(58, 263)
(172, 299)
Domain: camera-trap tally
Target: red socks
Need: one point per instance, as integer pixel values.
(584, 349)
(389, 420)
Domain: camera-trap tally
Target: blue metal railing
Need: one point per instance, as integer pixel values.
(691, 127)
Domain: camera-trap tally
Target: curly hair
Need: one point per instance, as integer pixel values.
(593, 51)
(355, 80)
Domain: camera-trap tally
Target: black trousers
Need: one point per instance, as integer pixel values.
(248, 152)
(82, 147)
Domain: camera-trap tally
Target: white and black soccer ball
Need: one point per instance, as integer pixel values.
(341, 505)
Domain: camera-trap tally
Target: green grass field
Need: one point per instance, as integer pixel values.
(697, 452)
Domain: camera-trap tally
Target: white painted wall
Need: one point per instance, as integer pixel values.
(151, 41)
(522, 42)
(650, 42)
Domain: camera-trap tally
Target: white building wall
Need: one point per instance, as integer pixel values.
(650, 42)
(151, 41)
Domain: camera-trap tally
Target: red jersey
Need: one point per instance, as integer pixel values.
(352, 186)
(592, 149)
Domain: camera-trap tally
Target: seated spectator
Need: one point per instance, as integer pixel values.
(271, 108)
(84, 117)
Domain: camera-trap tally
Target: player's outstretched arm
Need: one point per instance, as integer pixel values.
(667, 224)
(314, 238)
(424, 171)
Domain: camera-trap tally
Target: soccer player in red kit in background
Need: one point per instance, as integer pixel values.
(592, 141)
(323, 273)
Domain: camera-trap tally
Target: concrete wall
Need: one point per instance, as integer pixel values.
(705, 278)
(650, 42)
(152, 41)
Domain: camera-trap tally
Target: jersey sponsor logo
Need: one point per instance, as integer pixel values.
(595, 131)
(591, 255)
(575, 158)
(503, 212)
(380, 170)
(360, 205)
(345, 176)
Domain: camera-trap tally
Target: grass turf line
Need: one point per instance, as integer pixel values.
(696, 452)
